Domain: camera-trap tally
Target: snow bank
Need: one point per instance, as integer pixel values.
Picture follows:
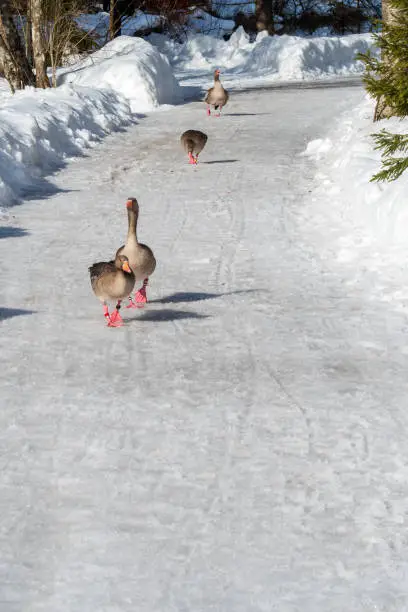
(293, 58)
(269, 58)
(39, 129)
(131, 67)
(378, 212)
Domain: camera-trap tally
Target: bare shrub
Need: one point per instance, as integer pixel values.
(61, 34)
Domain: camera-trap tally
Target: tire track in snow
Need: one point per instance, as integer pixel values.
(234, 418)
(224, 280)
(301, 408)
(202, 524)
(224, 273)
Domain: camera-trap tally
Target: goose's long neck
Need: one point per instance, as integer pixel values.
(132, 225)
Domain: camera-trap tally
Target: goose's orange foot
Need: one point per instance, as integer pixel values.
(192, 159)
(115, 323)
(208, 112)
(140, 298)
(115, 319)
(106, 314)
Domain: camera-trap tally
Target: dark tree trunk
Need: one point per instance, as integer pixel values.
(28, 36)
(389, 16)
(16, 67)
(264, 16)
(115, 19)
(37, 22)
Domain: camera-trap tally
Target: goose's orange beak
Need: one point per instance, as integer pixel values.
(126, 267)
(129, 204)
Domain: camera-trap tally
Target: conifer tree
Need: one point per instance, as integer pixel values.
(386, 80)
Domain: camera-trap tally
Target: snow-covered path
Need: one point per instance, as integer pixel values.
(240, 445)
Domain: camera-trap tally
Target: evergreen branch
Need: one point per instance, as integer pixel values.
(391, 170)
(390, 143)
(386, 80)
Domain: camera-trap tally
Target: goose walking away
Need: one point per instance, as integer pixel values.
(193, 142)
(141, 258)
(112, 281)
(217, 96)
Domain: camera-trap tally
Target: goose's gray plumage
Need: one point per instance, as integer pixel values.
(109, 279)
(112, 281)
(216, 96)
(193, 142)
(141, 258)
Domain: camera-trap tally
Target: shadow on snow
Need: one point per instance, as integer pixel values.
(220, 161)
(183, 297)
(41, 187)
(243, 114)
(167, 315)
(7, 313)
(12, 232)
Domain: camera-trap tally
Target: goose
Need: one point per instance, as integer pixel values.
(216, 96)
(141, 258)
(193, 141)
(112, 280)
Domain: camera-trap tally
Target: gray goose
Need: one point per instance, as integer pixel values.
(112, 281)
(141, 258)
(217, 96)
(193, 142)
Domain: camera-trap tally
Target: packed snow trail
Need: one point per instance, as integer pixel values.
(241, 444)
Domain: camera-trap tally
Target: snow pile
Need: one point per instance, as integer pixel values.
(293, 58)
(376, 213)
(131, 67)
(268, 58)
(203, 52)
(40, 128)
